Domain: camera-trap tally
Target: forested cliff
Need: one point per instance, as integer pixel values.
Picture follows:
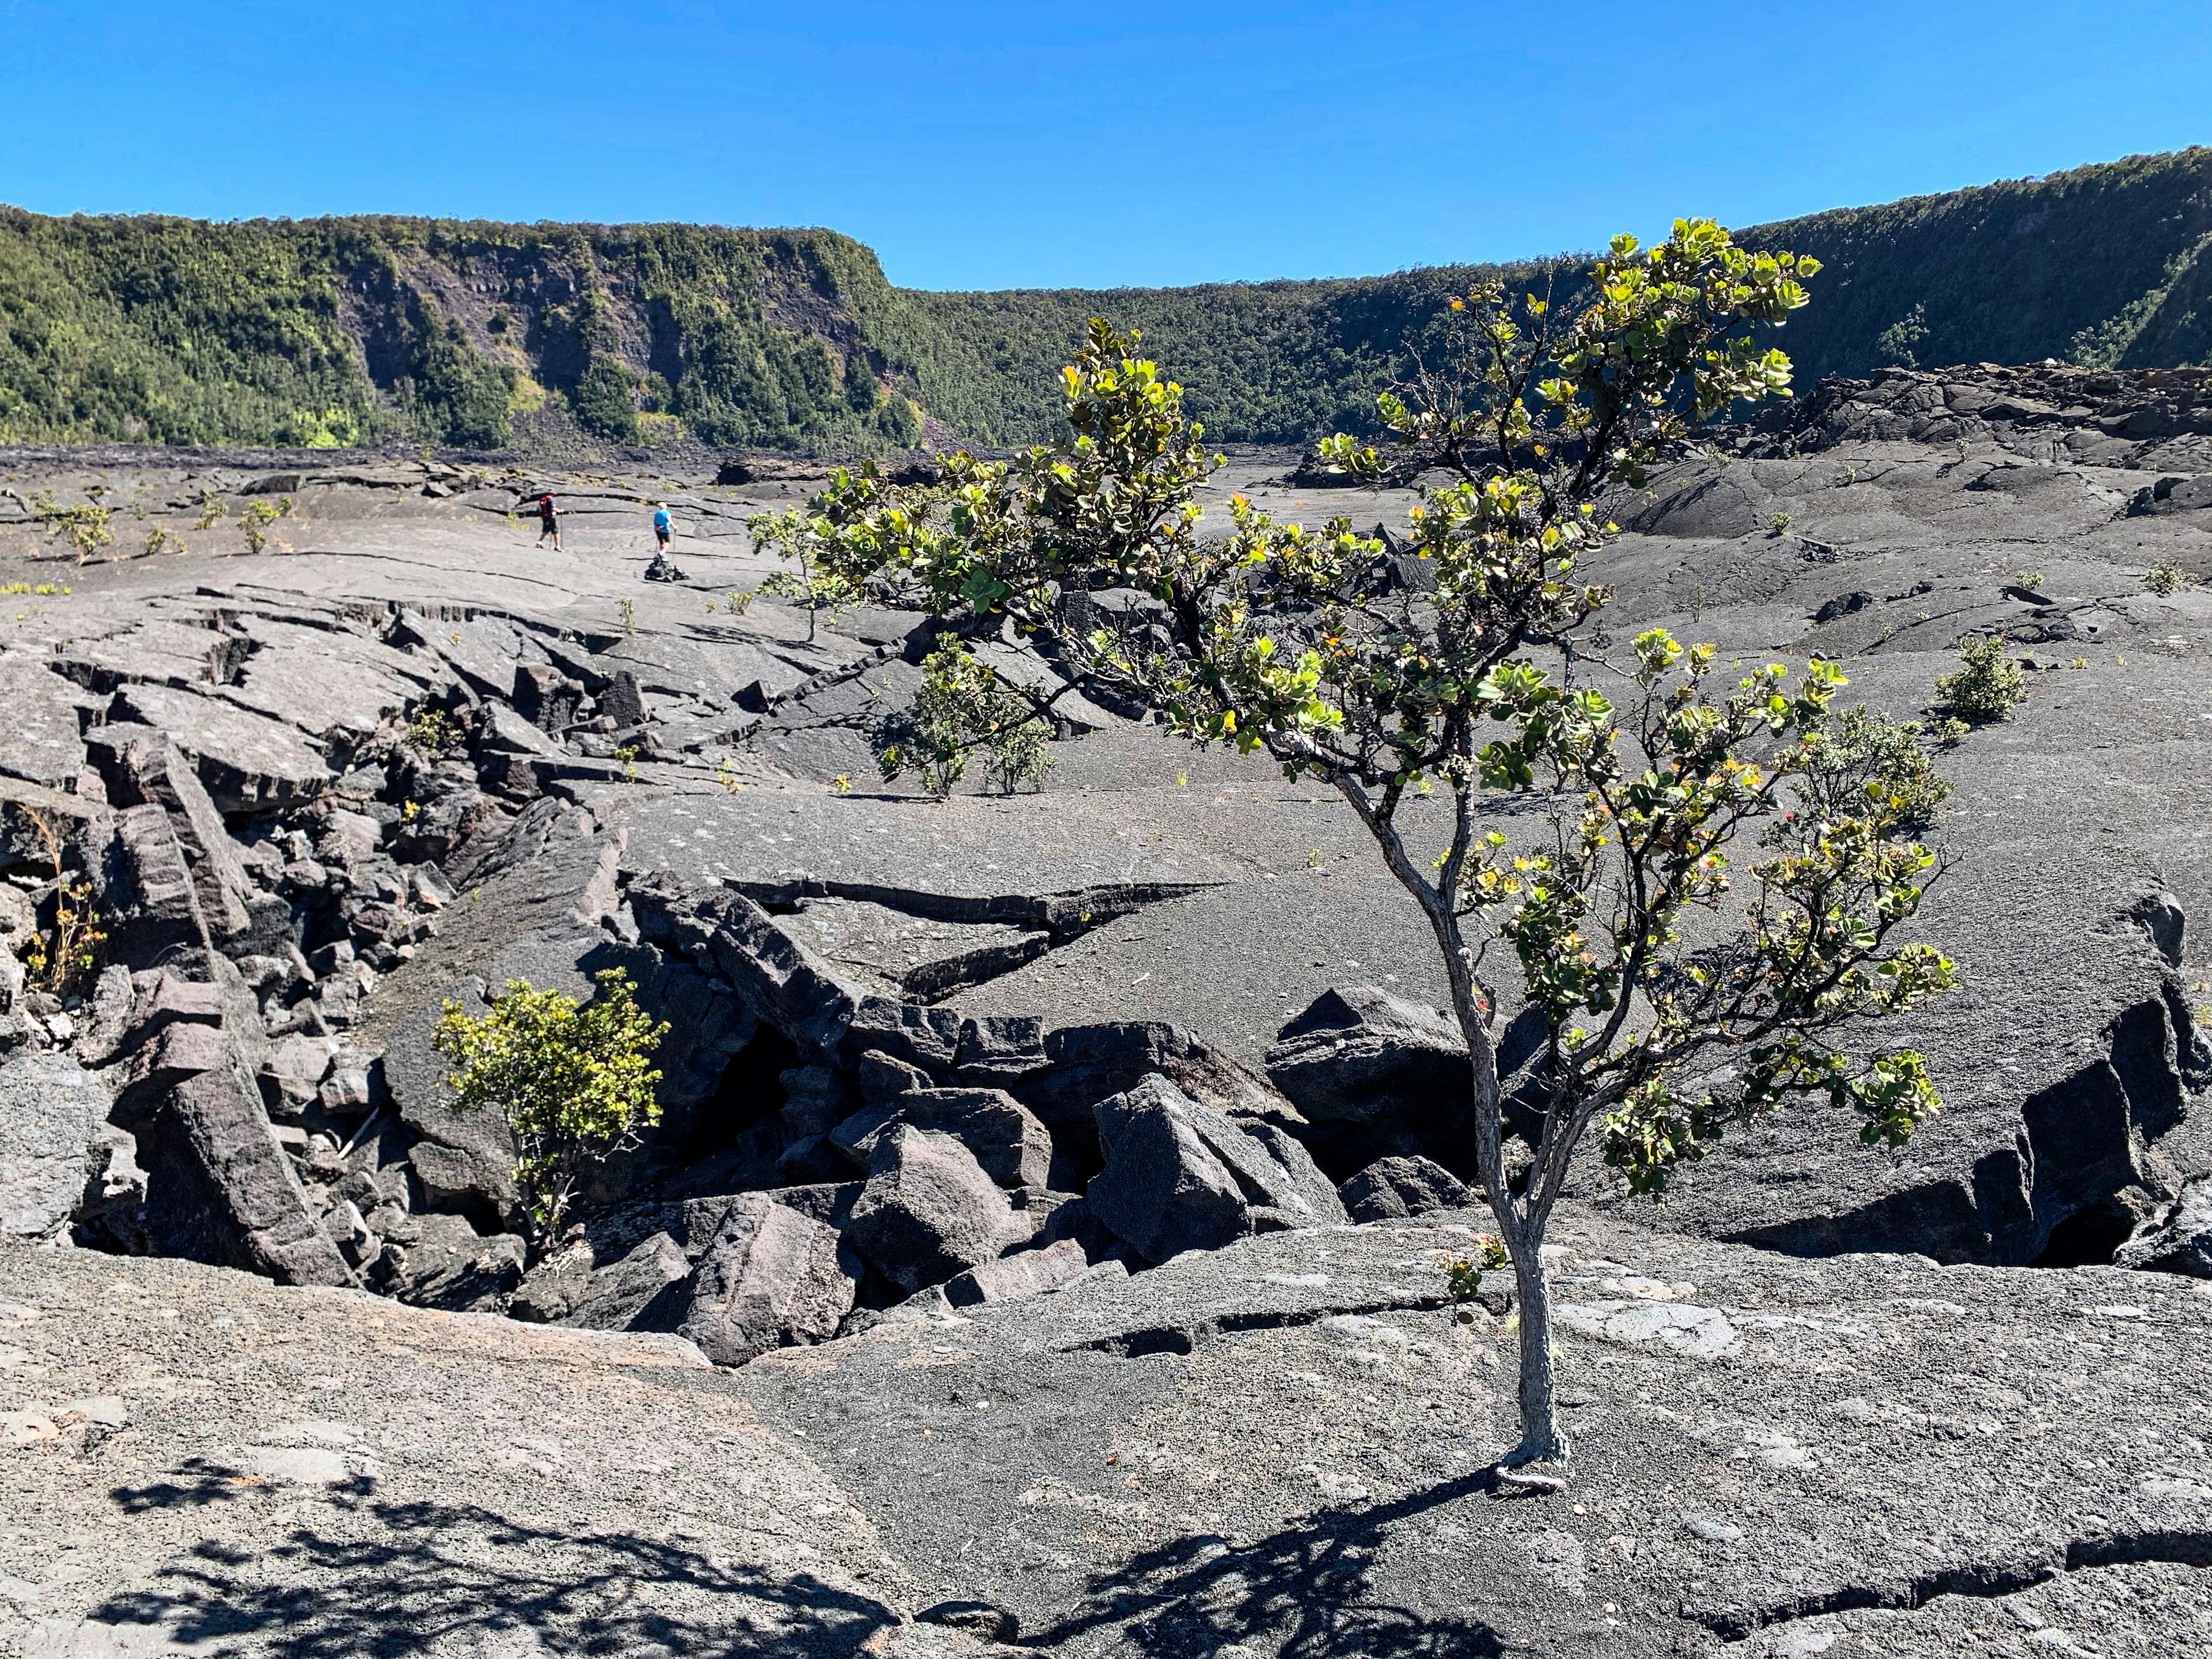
(334, 331)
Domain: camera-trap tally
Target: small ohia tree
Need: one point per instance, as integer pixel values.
(1668, 1006)
(964, 710)
(818, 584)
(574, 1081)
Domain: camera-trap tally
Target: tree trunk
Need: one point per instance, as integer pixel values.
(1540, 1440)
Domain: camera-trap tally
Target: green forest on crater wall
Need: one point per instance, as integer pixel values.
(334, 331)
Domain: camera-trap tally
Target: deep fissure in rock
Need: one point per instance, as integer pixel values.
(1983, 1580)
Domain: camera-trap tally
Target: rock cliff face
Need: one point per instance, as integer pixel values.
(1108, 1128)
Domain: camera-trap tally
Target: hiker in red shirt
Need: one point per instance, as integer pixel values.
(548, 521)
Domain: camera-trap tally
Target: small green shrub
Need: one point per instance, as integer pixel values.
(964, 710)
(1779, 523)
(431, 730)
(2028, 579)
(1867, 756)
(1464, 1277)
(84, 525)
(574, 1083)
(1987, 685)
(255, 522)
(213, 510)
(2166, 577)
(820, 589)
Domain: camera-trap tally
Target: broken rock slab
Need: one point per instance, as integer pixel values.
(52, 1116)
(139, 766)
(778, 979)
(770, 1279)
(248, 762)
(1008, 1142)
(449, 1265)
(929, 1212)
(1393, 1186)
(1180, 1176)
(2180, 1241)
(647, 1290)
(1376, 1076)
(1086, 1065)
(220, 1189)
(1025, 1273)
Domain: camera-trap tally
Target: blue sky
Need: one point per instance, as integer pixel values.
(977, 145)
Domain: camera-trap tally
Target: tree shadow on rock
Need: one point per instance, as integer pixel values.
(378, 1579)
(1306, 1592)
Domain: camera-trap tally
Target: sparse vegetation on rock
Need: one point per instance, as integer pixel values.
(574, 1083)
(1865, 750)
(2165, 578)
(1988, 683)
(816, 585)
(965, 712)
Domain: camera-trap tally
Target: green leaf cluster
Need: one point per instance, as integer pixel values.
(1987, 684)
(574, 1083)
(966, 711)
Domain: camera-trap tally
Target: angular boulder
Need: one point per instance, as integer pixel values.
(780, 980)
(139, 766)
(145, 889)
(449, 1265)
(771, 1278)
(1089, 1064)
(926, 1039)
(220, 1189)
(997, 1051)
(1376, 1076)
(645, 1291)
(52, 1116)
(2180, 1241)
(928, 1211)
(1179, 1176)
(1395, 1186)
(1005, 1137)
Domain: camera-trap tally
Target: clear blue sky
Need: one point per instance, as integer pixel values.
(978, 145)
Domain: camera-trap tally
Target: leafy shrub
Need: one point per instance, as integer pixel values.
(964, 710)
(1464, 1276)
(1779, 523)
(431, 730)
(64, 952)
(1988, 683)
(255, 522)
(84, 526)
(213, 510)
(2028, 579)
(1867, 755)
(819, 588)
(2166, 578)
(574, 1083)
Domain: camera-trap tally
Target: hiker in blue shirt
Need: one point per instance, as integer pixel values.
(663, 525)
